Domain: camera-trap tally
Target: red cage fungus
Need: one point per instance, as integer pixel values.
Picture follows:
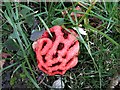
(57, 54)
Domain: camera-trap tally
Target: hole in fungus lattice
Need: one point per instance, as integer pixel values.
(60, 46)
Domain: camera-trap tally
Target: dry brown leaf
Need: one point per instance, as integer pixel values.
(2, 63)
(4, 55)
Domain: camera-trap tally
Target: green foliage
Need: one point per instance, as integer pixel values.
(58, 21)
(13, 81)
(10, 44)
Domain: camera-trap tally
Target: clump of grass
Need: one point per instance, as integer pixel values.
(99, 50)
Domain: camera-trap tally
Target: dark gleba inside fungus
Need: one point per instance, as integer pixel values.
(57, 54)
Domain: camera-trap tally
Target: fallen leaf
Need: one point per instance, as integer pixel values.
(76, 12)
(36, 34)
(2, 63)
(58, 84)
(81, 30)
(4, 55)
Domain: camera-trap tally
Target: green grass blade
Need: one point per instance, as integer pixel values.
(17, 29)
(16, 69)
(65, 9)
(8, 67)
(105, 35)
(28, 75)
(88, 10)
(45, 25)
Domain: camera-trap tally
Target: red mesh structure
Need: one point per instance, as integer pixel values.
(57, 54)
